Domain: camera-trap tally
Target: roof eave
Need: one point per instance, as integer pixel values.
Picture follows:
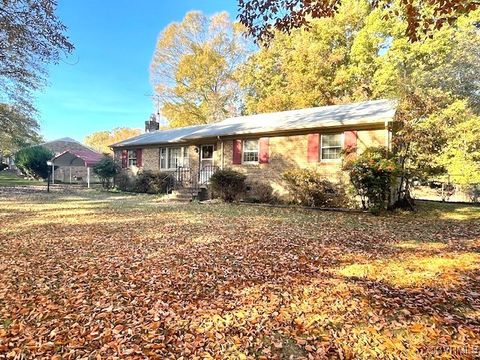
(188, 139)
(378, 121)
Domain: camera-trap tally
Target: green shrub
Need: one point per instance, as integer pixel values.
(124, 182)
(228, 184)
(373, 174)
(32, 161)
(260, 192)
(473, 192)
(106, 169)
(310, 188)
(153, 182)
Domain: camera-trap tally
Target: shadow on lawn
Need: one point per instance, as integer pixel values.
(446, 304)
(267, 274)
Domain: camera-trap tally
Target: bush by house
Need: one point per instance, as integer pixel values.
(263, 147)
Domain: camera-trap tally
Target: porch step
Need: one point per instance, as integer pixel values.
(184, 194)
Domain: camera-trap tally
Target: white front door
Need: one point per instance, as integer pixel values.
(206, 163)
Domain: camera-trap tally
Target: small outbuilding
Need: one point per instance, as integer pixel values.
(76, 166)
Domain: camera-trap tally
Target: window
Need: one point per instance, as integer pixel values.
(173, 157)
(132, 157)
(250, 151)
(331, 146)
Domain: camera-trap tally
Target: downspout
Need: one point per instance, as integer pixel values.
(388, 138)
(222, 153)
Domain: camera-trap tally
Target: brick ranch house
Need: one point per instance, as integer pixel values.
(263, 146)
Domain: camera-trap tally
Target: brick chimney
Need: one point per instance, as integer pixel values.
(152, 124)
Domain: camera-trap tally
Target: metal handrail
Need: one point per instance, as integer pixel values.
(186, 177)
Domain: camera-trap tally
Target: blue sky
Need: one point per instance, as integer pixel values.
(104, 84)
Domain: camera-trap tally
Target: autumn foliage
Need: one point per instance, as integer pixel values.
(310, 187)
(92, 275)
(263, 17)
(373, 175)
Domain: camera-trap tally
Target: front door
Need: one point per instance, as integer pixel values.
(206, 163)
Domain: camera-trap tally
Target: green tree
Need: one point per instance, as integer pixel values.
(102, 140)
(32, 161)
(332, 62)
(106, 170)
(263, 17)
(192, 70)
(438, 90)
(16, 130)
(460, 156)
(31, 36)
(361, 53)
(373, 175)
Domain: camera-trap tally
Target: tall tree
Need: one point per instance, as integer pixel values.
(193, 66)
(332, 63)
(101, 140)
(31, 36)
(360, 53)
(263, 17)
(32, 161)
(16, 130)
(439, 102)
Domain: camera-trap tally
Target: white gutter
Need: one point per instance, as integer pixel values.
(222, 154)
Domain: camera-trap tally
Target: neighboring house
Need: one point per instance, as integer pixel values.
(72, 160)
(8, 160)
(263, 146)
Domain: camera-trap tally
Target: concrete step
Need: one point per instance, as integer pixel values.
(185, 197)
(180, 199)
(185, 192)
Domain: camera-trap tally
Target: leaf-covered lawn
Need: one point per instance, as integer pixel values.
(9, 179)
(93, 275)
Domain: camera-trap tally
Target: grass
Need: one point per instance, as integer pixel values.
(92, 274)
(9, 179)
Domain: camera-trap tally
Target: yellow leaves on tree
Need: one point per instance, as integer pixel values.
(193, 69)
(101, 140)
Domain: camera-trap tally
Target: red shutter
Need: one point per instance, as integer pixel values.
(313, 144)
(139, 157)
(350, 141)
(263, 156)
(124, 158)
(237, 152)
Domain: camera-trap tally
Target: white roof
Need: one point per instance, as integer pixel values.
(159, 137)
(368, 112)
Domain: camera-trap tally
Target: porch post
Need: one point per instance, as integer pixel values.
(70, 168)
(53, 172)
(88, 177)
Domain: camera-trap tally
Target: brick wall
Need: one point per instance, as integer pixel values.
(285, 153)
(193, 157)
(151, 159)
(290, 152)
(368, 138)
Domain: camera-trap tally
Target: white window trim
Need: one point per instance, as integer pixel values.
(213, 154)
(342, 142)
(132, 158)
(258, 152)
(167, 154)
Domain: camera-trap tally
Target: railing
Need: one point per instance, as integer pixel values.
(182, 177)
(185, 177)
(205, 174)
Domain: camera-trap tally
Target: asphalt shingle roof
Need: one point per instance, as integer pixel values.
(368, 112)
